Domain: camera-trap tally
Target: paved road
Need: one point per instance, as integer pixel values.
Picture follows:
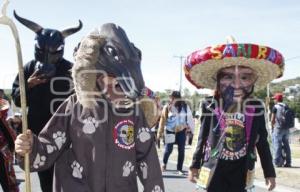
(35, 183)
(176, 183)
(173, 182)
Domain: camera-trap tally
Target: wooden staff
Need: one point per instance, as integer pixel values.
(7, 21)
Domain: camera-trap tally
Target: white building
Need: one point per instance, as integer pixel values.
(292, 91)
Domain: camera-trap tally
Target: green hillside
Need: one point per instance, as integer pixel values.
(280, 86)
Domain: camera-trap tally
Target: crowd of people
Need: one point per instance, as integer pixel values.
(82, 133)
(175, 110)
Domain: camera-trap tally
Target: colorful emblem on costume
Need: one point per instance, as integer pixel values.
(235, 139)
(124, 134)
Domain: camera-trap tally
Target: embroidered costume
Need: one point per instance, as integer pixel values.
(233, 125)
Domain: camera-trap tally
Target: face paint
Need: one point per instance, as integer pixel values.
(236, 83)
(228, 94)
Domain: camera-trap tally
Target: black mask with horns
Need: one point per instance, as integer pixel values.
(49, 46)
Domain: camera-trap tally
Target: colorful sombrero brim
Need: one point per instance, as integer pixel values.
(202, 66)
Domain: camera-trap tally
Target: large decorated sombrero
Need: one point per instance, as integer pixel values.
(202, 66)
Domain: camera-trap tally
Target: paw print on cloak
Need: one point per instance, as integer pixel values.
(51, 148)
(77, 170)
(127, 168)
(144, 134)
(144, 169)
(90, 125)
(59, 138)
(157, 188)
(39, 161)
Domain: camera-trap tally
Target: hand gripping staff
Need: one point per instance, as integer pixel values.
(7, 21)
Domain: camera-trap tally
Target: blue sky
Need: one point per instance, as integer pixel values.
(161, 29)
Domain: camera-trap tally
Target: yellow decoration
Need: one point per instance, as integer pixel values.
(262, 52)
(203, 177)
(216, 53)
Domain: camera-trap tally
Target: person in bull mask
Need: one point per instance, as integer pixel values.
(100, 138)
(47, 81)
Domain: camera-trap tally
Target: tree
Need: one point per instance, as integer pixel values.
(261, 94)
(295, 106)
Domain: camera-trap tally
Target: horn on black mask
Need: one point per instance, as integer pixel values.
(72, 30)
(30, 24)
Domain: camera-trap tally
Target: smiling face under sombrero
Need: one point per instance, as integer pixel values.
(202, 67)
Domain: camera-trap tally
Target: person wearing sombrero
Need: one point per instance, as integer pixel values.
(233, 126)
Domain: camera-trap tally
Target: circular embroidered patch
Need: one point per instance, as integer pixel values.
(124, 134)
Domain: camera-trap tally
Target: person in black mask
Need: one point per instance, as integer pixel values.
(100, 138)
(47, 81)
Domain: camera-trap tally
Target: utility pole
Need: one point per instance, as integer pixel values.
(268, 104)
(181, 63)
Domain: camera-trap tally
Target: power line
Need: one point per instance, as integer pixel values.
(292, 58)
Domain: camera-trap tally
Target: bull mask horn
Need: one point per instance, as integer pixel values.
(31, 25)
(70, 31)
